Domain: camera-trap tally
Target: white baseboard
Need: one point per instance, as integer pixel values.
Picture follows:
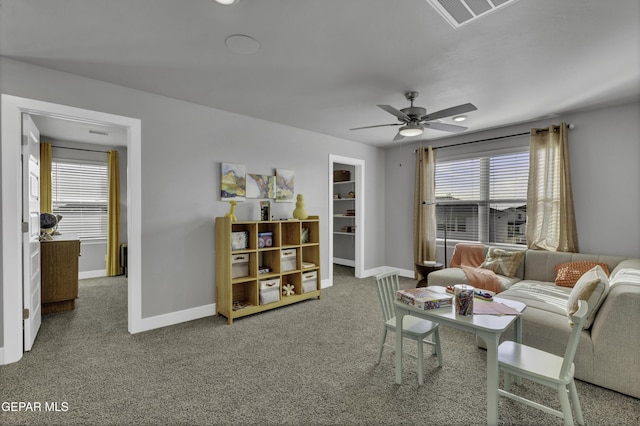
(92, 274)
(326, 283)
(2, 355)
(407, 273)
(174, 318)
(344, 262)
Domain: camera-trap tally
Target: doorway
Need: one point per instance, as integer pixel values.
(347, 213)
(12, 109)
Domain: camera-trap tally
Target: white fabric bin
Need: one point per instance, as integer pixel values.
(239, 265)
(269, 291)
(288, 260)
(309, 281)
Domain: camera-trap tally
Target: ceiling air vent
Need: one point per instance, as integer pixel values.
(461, 12)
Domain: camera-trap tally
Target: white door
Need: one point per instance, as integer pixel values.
(31, 230)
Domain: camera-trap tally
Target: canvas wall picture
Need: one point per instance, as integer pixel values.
(285, 180)
(233, 182)
(261, 186)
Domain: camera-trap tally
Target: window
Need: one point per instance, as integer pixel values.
(483, 199)
(80, 194)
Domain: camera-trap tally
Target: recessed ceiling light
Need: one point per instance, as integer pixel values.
(226, 2)
(242, 44)
(459, 118)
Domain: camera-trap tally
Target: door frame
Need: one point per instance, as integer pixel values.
(360, 212)
(11, 136)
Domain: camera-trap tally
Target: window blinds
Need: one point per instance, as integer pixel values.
(484, 198)
(80, 194)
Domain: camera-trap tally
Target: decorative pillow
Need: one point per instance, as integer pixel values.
(593, 287)
(503, 262)
(567, 274)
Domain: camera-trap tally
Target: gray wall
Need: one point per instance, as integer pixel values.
(183, 145)
(604, 156)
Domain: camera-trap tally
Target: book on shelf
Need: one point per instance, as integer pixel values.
(423, 298)
(307, 265)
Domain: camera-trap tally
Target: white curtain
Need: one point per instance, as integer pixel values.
(424, 208)
(551, 222)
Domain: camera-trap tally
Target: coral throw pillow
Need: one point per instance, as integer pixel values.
(568, 274)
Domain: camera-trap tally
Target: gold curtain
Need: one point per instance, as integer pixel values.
(113, 227)
(551, 222)
(424, 207)
(46, 203)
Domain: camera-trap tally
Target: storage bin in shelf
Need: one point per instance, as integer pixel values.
(289, 260)
(309, 281)
(244, 264)
(269, 291)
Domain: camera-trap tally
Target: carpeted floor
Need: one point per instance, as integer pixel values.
(311, 363)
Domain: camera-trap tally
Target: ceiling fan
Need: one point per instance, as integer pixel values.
(415, 119)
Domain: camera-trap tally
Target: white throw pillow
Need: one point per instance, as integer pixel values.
(592, 287)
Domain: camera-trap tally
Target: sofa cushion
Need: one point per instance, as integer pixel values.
(453, 276)
(568, 274)
(539, 265)
(592, 287)
(503, 262)
(541, 295)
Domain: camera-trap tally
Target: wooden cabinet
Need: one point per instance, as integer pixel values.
(257, 261)
(59, 273)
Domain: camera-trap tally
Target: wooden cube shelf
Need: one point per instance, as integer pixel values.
(240, 296)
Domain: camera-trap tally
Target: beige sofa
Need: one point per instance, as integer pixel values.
(608, 354)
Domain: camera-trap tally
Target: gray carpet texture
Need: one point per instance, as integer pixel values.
(311, 363)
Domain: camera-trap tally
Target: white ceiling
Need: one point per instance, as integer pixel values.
(324, 65)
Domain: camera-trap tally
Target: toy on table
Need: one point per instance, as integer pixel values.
(478, 294)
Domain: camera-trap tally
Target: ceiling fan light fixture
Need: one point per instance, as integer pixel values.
(410, 130)
(226, 2)
(459, 118)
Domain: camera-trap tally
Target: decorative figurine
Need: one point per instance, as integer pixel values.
(232, 211)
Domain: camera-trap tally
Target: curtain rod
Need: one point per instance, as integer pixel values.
(570, 126)
(79, 149)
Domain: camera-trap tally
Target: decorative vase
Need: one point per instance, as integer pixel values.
(300, 212)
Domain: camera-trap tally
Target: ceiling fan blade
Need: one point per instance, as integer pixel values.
(460, 109)
(391, 110)
(398, 137)
(377, 125)
(444, 127)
